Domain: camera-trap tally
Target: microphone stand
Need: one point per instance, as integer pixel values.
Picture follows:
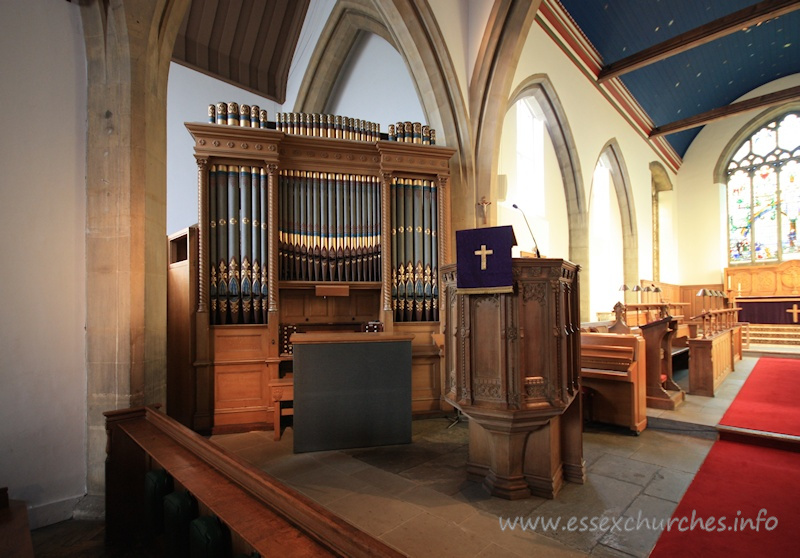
(535, 245)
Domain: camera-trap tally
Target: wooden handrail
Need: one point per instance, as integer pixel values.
(714, 321)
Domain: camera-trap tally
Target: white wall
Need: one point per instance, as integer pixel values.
(43, 276)
(548, 223)
(701, 220)
(462, 25)
(593, 123)
(316, 17)
(188, 95)
(375, 85)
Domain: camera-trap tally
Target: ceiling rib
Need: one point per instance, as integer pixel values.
(716, 29)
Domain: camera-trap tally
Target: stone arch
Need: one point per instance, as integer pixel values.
(411, 28)
(542, 91)
(660, 182)
(128, 51)
(506, 31)
(752, 126)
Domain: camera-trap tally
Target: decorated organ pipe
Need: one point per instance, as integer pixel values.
(329, 227)
(414, 252)
(328, 223)
(237, 244)
(319, 125)
(234, 292)
(246, 239)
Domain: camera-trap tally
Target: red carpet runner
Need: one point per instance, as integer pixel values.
(736, 482)
(744, 499)
(769, 401)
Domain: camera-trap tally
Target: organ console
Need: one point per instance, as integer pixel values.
(284, 208)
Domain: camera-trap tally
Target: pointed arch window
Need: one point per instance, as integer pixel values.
(764, 194)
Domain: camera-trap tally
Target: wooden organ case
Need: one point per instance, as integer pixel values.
(301, 233)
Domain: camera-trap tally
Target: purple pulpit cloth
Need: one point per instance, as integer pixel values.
(483, 260)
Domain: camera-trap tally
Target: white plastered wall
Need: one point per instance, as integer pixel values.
(43, 276)
(701, 220)
(594, 122)
(188, 95)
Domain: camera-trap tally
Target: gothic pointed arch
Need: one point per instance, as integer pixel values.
(542, 91)
(757, 170)
(611, 155)
(411, 28)
(506, 31)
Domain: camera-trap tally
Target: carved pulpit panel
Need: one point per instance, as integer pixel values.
(512, 361)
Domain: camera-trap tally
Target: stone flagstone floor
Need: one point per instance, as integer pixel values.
(417, 498)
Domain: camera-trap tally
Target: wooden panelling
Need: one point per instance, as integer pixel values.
(710, 361)
(242, 342)
(763, 280)
(302, 305)
(426, 370)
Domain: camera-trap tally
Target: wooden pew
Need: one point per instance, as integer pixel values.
(261, 514)
(613, 371)
(662, 390)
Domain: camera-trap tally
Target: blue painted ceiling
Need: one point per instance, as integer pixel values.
(703, 78)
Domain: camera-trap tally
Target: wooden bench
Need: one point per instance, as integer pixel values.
(260, 513)
(613, 373)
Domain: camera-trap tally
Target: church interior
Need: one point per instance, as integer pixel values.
(399, 277)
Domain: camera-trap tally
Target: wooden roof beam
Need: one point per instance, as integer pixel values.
(731, 23)
(762, 101)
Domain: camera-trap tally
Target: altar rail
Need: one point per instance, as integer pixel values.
(261, 514)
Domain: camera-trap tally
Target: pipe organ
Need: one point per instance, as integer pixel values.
(415, 290)
(330, 226)
(237, 243)
(305, 233)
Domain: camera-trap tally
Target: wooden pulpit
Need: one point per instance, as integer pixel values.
(513, 362)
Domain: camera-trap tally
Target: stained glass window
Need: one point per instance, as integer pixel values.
(764, 194)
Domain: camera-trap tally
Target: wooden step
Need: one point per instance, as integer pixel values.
(774, 334)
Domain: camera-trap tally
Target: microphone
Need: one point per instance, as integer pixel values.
(535, 245)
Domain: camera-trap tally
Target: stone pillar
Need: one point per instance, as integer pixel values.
(128, 49)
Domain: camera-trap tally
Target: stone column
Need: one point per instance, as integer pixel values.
(128, 49)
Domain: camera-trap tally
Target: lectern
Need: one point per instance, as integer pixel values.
(513, 363)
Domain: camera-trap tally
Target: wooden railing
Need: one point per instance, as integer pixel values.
(640, 314)
(260, 513)
(714, 321)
